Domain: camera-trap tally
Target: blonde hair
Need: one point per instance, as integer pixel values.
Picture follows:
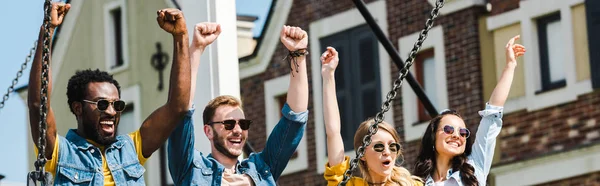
(400, 175)
(211, 107)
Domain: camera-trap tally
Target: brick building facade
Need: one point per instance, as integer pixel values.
(461, 72)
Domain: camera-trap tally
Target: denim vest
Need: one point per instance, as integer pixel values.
(190, 167)
(80, 163)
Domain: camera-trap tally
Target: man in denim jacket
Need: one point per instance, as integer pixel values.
(227, 129)
(93, 154)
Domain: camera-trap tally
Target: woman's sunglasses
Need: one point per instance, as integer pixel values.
(230, 123)
(103, 104)
(380, 147)
(464, 132)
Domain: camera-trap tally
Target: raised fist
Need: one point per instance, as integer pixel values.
(58, 12)
(294, 38)
(172, 21)
(205, 34)
(329, 61)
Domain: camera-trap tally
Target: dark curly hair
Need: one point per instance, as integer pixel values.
(426, 161)
(77, 87)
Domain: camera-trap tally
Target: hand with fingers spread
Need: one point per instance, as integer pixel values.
(58, 13)
(205, 34)
(513, 51)
(172, 21)
(329, 61)
(294, 38)
(232, 179)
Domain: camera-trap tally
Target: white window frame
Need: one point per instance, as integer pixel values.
(329, 26)
(435, 40)
(536, 171)
(131, 95)
(273, 89)
(109, 40)
(526, 15)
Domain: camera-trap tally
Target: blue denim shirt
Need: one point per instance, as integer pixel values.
(483, 148)
(80, 162)
(190, 167)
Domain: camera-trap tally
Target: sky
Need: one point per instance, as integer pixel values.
(19, 30)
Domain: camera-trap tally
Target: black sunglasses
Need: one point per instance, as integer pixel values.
(103, 104)
(380, 147)
(230, 123)
(463, 132)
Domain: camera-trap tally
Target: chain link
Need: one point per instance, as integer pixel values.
(11, 88)
(360, 152)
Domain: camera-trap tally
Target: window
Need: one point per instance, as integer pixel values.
(552, 57)
(357, 78)
(424, 65)
(115, 33)
(126, 120)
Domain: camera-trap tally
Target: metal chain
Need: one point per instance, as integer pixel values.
(360, 152)
(11, 88)
(40, 175)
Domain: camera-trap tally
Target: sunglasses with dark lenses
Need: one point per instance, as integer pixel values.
(463, 132)
(380, 147)
(103, 104)
(230, 123)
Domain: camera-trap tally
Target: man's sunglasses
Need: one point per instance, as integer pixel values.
(464, 132)
(103, 104)
(230, 123)
(380, 147)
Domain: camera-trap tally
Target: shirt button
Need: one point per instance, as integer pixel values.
(266, 171)
(76, 176)
(92, 151)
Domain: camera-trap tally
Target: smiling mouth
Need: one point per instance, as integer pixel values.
(107, 126)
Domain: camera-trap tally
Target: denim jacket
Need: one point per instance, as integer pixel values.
(190, 167)
(80, 162)
(483, 149)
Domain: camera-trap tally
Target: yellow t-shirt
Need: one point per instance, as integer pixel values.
(335, 175)
(108, 179)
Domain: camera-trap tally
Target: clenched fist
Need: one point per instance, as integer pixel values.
(58, 12)
(294, 38)
(172, 21)
(329, 61)
(205, 34)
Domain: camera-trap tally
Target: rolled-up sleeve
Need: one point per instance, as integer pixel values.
(284, 140)
(483, 149)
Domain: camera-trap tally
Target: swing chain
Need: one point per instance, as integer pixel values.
(39, 174)
(392, 94)
(19, 74)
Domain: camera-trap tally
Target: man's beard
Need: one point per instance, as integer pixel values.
(91, 130)
(220, 146)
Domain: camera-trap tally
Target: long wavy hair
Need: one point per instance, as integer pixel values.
(400, 175)
(426, 161)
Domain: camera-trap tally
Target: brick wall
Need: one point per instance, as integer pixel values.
(500, 6)
(463, 71)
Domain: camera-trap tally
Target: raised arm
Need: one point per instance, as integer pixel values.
(335, 144)
(500, 93)
(159, 125)
(296, 39)
(34, 88)
(204, 35)
(181, 140)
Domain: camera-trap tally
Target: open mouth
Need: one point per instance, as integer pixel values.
(107, 126)
(236, 142)
(386, 163)
(453, 143)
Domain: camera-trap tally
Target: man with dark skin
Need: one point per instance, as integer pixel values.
(93, 154)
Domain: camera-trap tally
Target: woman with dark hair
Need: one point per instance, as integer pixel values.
(377, 166)
(449, 155)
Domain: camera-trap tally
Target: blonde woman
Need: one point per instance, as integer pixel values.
(377, 166)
